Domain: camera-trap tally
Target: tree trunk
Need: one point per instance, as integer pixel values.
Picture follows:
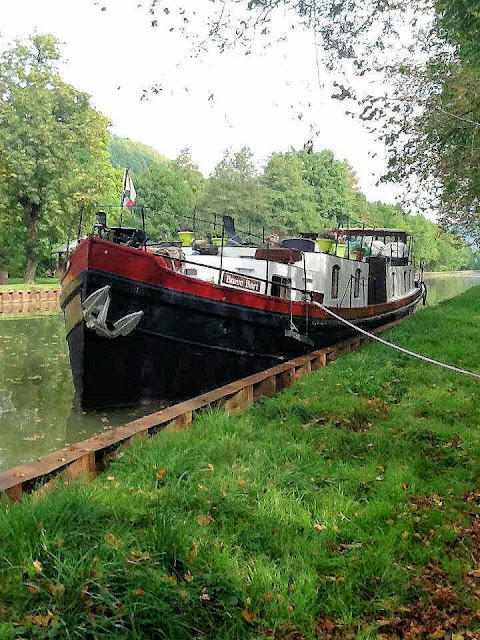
(31, 216)
(30, 270)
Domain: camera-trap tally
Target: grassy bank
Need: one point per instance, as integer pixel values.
(453, 274)
(17, 284)
(347, 506)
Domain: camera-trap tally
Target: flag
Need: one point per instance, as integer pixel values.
(129, 194)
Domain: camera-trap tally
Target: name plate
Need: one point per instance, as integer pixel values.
(244, 282)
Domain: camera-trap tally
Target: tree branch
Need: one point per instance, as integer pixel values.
(454, 115)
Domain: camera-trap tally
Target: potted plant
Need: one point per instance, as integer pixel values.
(217, 238)
(339, 249)
(358, 251)
(186, 235)
(325, 241)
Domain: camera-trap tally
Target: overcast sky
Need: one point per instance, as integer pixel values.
(269, 100)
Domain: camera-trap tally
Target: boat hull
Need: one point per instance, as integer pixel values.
(185, 343)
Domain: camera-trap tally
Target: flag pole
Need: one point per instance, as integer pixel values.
(124, 186)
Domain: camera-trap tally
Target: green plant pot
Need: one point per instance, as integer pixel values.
(341, 250)
(187, 237)
(325, 244)
(217, 242)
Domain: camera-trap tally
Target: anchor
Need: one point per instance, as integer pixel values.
(95, 311)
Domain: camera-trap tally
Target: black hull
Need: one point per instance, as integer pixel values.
(184, 345)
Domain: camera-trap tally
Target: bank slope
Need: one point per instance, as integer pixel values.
(347, 506)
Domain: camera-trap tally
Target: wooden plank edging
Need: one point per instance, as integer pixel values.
(91, 455)
(29, 300)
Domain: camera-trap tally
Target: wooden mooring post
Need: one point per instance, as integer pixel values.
(86, 458)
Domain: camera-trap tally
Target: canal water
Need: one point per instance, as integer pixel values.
(36, 390)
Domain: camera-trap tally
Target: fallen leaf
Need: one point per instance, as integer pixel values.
(113, 541)
(404, 486)
(319, 527)
(35, 437)
(138, 592)
(161, 474)
(33, 589)
(210, 466)
(41, 621)
(37, 566)
(249, 616)
(242, 484)
(204, 520)
(137, 556)
(268, 597)
(56, 589)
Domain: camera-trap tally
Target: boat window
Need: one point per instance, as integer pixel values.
(356, 283)
(281, 287)
(190, 272)
(405, 281)
(335, 279)
(393, 282)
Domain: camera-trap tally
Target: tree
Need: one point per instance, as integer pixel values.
(189, 172)
(332, 182)
(292, 200)
(53, 144)
(166, 196)
(235, 189)
(135, 155)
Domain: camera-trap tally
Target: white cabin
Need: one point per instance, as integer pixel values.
(335, 281)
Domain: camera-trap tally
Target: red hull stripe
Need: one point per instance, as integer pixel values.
(145, 267)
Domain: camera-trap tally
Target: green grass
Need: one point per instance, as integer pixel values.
(323, 512)
(42, 284)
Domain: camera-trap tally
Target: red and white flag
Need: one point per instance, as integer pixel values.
(129, 194)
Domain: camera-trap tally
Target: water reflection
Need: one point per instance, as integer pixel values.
(443, 287)
(36, 390)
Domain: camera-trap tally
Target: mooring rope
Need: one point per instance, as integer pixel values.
(395, 346)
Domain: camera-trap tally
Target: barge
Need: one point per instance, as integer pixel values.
(169, 321)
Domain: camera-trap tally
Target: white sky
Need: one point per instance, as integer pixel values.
(253, 94)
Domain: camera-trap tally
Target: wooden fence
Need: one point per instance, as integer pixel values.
(92, 455)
